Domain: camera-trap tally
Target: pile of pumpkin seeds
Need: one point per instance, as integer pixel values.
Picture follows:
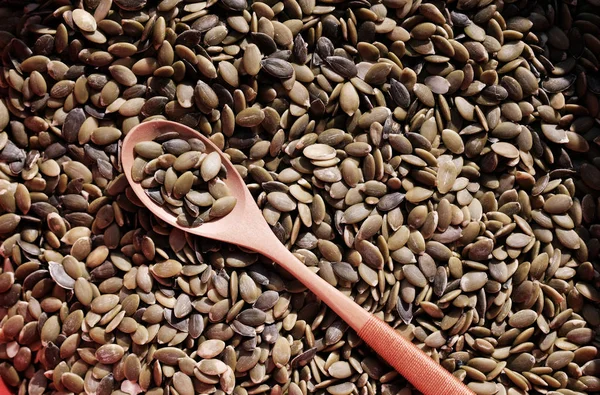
(438, 162)
(180, 176)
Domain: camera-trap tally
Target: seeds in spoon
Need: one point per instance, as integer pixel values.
(185, 181)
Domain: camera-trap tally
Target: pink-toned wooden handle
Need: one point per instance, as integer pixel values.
(418, 368)
(408, 360)
(3, 389)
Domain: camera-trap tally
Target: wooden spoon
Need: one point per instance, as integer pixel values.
(246, 227)
(3, 389)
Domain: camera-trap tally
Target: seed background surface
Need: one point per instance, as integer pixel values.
(438, 162)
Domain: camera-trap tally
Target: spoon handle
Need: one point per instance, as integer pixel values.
(417, 367)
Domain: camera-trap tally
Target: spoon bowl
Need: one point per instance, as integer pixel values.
(246, 227)
(217, 228)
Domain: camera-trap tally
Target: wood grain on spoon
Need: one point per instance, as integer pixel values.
(246, 227)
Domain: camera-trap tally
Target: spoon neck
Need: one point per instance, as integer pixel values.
(255, 235)
(350, 312)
